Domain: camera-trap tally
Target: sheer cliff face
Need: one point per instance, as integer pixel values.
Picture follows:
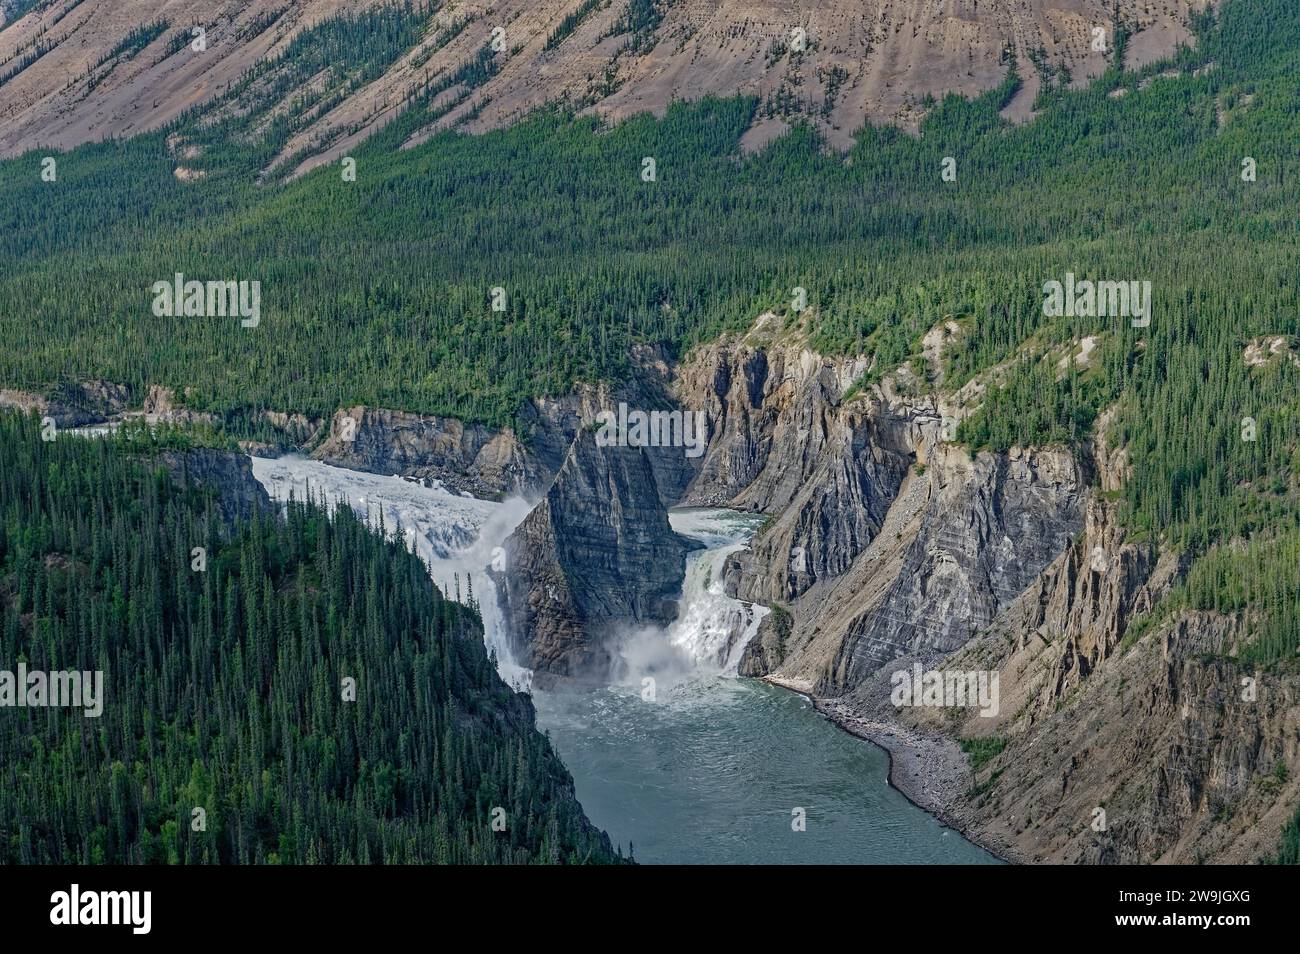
(1159, 748)
(977, 533)
(466, 457)
(888, 547)
(595, 558)
(779, 444)
(884, 540)
(495, 462)
(853, 62)
(782, 443)
(226, 475)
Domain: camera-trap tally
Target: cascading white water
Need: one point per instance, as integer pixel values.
(712, 628)
(455, 534)
(703, 769)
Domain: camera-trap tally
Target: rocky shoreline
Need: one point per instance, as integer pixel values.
(928, 769)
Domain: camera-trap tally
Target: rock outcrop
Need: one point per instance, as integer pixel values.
(1112, 745)
(225, 475)
(465, 457)
(593, 559)
(71, 405)
(494, 462)
(1124, 746)
(161, 406)
(1170, 751)
(766, 650)
(977, 531)
(889, 546)
(783, 442)
(885, 541)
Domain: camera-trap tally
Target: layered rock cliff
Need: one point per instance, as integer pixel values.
(70, 405)
(226, 476)
(494, 462)
(782, 442)
(884, 540)
(1109, 742)
(595, 558)
(472, 458)
(1123, 734)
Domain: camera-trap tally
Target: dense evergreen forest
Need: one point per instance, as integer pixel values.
(224, 686)
(1289, 852)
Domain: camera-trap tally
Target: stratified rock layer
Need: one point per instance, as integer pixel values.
(594, 558)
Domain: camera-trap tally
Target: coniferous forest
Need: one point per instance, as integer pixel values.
(226, 735)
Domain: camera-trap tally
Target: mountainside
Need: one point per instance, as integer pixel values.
(881, 562)
(1116, 691)
(75, 71)
(557, 259)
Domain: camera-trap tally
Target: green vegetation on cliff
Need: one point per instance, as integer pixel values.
(1289, 851)
(223, 688)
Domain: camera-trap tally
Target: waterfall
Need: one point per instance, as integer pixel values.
(712, 628)
(455, 534)
(691, 774)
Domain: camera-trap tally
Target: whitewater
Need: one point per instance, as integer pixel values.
(678, 757)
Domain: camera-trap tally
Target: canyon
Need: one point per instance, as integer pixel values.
(886, 544)
(1129, 728)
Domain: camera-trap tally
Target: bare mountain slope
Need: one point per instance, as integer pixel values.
(74, 71)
